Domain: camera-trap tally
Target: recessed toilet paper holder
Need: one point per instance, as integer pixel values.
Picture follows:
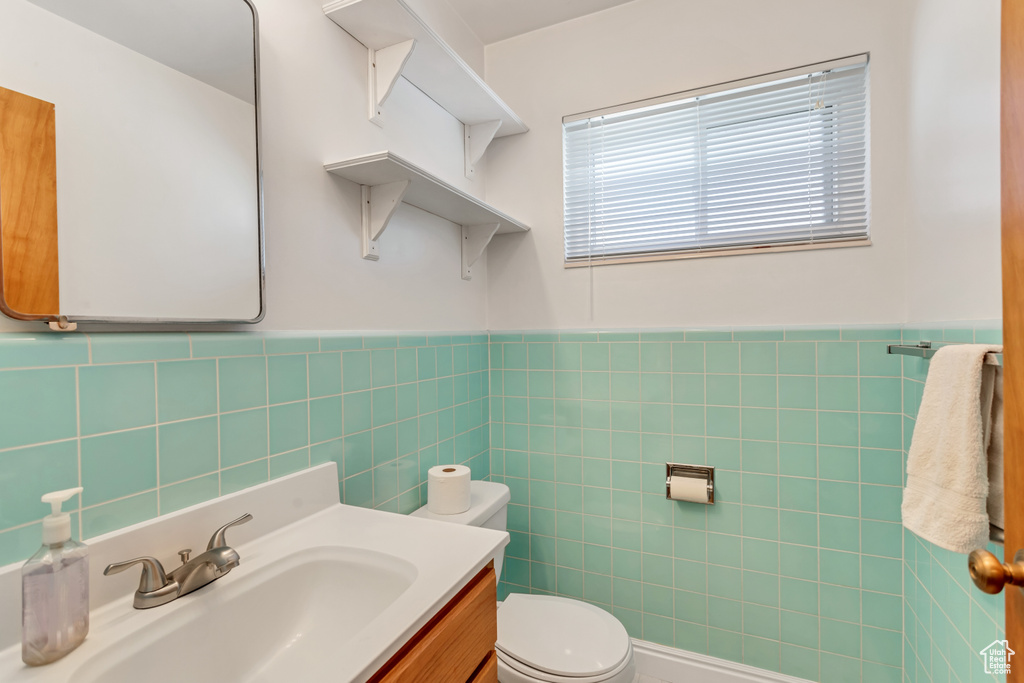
(702, 472)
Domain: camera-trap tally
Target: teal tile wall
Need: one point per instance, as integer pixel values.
(151, 423)
(797, 568)
(947, 620)
(801, 567)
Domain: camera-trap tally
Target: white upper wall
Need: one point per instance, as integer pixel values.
(953, 242)
(314, 89)
(313, 84)
(655, 47)
(494, 20)
(314, 112)
(453, 29)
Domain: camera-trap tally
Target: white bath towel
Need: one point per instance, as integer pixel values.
(993, 415)
(955, 458)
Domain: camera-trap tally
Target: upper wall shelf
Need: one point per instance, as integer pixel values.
(388, 180)
(401, 44)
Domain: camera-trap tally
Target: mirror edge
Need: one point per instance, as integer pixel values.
(62, 319)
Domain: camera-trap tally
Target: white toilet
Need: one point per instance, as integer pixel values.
(544, 638)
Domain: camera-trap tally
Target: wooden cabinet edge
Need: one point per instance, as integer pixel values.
(406, 665)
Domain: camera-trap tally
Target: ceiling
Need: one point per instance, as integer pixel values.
(494, 20)
(209, 41)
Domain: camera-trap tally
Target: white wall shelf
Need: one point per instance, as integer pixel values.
(401, 44)
(387, 180)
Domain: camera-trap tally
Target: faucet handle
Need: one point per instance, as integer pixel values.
(217, 540)
(153, 577)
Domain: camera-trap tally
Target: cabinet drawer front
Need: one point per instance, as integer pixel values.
(452, 646)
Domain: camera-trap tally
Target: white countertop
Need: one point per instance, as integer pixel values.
(296, 520)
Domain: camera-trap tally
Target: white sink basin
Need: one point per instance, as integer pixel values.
(267, 626)
(324, 592)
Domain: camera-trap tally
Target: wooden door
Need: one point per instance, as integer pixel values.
(1013, 304)
(29, 286)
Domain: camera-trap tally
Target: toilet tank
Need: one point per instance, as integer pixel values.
(488, 508)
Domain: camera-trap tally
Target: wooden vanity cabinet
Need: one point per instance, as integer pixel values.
(456, 645)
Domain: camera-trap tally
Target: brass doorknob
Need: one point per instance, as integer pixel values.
(990, 575)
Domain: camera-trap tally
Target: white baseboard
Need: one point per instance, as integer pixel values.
(679, 666)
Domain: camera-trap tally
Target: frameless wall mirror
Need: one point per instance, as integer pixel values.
(130, 185)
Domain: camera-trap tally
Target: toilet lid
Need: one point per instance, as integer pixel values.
(560, 636)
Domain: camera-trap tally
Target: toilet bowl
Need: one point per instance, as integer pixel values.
(560, 640)
(544, 638)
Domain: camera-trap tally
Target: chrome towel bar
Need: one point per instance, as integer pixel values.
(925, 350)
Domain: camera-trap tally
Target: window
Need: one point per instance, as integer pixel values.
(776, 162)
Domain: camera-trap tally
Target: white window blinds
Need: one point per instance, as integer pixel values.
(776, 161)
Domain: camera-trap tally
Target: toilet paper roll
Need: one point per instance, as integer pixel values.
(690, 489)
(448, 489)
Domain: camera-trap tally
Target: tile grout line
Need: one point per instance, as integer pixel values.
(78, 447)
(156, 421)
(220, 436)
(266, 361)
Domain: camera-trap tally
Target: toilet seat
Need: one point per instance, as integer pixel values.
(511, 670)
(554, 639)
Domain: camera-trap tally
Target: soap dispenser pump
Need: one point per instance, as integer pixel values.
(55, 589)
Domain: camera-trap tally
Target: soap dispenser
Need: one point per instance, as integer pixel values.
(55, 589)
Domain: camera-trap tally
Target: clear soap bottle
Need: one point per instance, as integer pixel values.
(55, 589)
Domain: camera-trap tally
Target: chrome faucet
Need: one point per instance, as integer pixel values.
(157, 587)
